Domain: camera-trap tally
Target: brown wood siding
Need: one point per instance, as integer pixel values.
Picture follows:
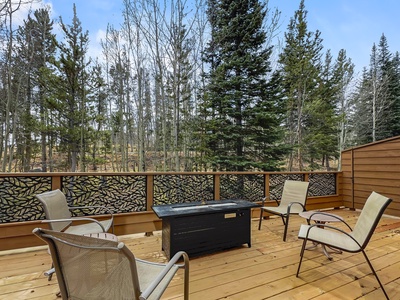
(347, 178)
(372, 167)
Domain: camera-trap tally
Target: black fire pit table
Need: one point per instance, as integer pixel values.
(199, 228)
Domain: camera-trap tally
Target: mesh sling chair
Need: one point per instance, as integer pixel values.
(293, 201)
(91, 269)
(354, 241)
(59, 217)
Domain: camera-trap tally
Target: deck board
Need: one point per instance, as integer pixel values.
(264, 271)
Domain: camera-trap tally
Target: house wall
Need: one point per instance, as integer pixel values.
(372, 167)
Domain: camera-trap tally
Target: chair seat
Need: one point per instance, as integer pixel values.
(328, 237)
(147, 272)
(88, 227)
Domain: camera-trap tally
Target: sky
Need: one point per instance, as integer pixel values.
(353, 25)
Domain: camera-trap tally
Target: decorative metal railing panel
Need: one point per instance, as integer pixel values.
(170, 189)
(248, 187)
(322, 184)
(118, 193)
(128, 193)
(17, 198)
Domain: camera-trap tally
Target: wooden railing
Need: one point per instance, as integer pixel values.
(131, 195)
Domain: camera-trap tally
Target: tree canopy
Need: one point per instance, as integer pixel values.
(187, 88)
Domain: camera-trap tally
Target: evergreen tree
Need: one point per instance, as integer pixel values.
(240, 119)
(320, 122)
(394, 87)
(361, 119)
(99, 111)
(43, 55)
(301, 69)
(376, 100)
(383, 76)
(71, 102)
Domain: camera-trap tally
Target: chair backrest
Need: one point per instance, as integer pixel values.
(55, 207)
(294, 191)
(369, 218)
(91, 268)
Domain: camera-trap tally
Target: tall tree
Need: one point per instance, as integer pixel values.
(72, 90)
(119, 74)
(344, 74)
(376, 98)
(8, 9)
(394, 87)
(41, 51)
(320, 122)
(301, 68)
(361, 117)
(99, 111)
(178, 84)
(237, 89)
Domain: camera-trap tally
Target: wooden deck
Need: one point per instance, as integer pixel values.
(264, 271)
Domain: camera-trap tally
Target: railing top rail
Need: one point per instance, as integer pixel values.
(55, 174)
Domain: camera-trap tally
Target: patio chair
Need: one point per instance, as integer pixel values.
(354, 241)
(59, 217)
(90, 268)
(293, 201)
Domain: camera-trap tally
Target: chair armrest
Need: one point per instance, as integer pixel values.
(294, 203)
(147, 292)
(333, 216)
(76, 219)
(335, 229)
(90, 207)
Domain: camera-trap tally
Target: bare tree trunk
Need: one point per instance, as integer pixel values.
(9, 12)
(374, 100)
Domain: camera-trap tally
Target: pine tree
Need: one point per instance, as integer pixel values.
(394, 88)
(377, 97)
(383, 76)
(71, 102)
(99, 111)
(44, 53)
(361, 119)
(301, 67)
(320, 121)
(240, 122)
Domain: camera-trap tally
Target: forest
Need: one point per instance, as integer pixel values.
(199, 87)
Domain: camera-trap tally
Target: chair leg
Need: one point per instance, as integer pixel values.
(301, 256)
(376, 275)
(261, 216)
(283, 219)
(286, 227)
(186, 276)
